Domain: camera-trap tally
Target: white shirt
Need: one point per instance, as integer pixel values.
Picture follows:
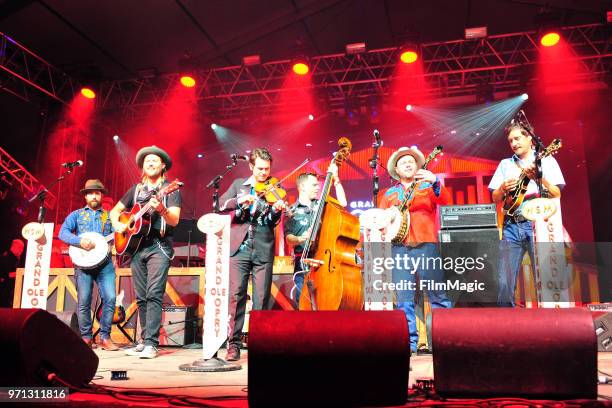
(508, 168)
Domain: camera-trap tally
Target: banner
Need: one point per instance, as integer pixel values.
(37, 265)
(374, 222)
(552, 272)
(216, 298)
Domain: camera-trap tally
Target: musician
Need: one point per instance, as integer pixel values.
(405, 167)
(151, 261)
(92, 218)
(251, 244)
(517, 232)
(298, 225)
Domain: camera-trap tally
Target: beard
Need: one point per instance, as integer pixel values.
(94, 204)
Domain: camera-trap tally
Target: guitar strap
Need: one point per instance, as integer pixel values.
(104, 219)
(162, 230)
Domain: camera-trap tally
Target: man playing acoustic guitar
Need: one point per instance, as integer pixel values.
(517, 235)
(151, 260)
(92, 218)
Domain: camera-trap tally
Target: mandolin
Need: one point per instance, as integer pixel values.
(516, 197)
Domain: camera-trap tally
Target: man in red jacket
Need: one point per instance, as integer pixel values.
(405, 166)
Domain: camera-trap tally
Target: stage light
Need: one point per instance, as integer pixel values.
(251, 60)
(475, 32)
(408, 108)
(214, 126)
(308, 144)
(116, 138)
(408, 57)
(300, 68)
(355, 48)
(550, 39)
(453, 132)
(200, 155)
(311, 117)
(88, 93)
(524, 96)
(188, 81)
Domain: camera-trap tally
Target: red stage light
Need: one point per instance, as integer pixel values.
(408, 57)
(88, 93)
(300, 68)
(188, 81)
(550, 39)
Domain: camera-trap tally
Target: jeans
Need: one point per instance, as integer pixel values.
(517, 238)
(104, 276)
(405, 298)
(244, 263)
(150, 265)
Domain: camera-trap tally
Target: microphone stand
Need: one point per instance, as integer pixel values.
(539, 147)
(215, 183)
(42, 195)
(374, 165)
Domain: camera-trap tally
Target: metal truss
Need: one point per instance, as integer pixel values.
(29, 77)
(452, 68)
(11, 171)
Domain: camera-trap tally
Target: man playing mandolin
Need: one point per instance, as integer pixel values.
(92, 218)
(251, 244)
(151, 260)
(406, 167)
(517, 235)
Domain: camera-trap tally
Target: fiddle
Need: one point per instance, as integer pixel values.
(270, 190)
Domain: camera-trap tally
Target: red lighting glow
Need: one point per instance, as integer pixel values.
(300, 68)
(408, 57)
(188, 81)
(88, 93)
(550, 39)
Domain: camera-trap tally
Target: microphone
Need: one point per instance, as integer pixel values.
(235, 157)
(379, 142)
(70, 165)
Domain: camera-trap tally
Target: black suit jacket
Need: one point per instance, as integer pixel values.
(263, 230)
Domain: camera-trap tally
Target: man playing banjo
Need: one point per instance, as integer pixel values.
(92, 218)
(405, 166)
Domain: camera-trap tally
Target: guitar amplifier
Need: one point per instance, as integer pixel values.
(177, 326)
(602, 318)
(468, 216)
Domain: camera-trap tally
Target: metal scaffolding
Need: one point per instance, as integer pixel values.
(11, 171)
(452, 68)
(29, 77)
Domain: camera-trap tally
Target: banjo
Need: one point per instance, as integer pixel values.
(85, 259)
(394, 222)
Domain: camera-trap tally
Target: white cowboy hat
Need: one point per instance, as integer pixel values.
(401, 152)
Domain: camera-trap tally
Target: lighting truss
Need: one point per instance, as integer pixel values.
(26, 182)
(29, 77)
(451, 68)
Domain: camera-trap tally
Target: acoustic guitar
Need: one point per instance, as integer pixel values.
(138, 222)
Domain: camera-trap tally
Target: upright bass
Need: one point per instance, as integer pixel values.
(333, 279)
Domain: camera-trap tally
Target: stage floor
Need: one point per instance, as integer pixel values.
(226, 389)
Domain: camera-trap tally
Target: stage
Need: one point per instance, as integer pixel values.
(226, 389)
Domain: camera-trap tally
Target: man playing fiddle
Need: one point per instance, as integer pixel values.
(251, 244)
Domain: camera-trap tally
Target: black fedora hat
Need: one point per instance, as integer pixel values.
(145, 151)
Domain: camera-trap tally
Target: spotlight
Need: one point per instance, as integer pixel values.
(188, 81)
(408, 108)
(88, 93)
(116, 138)
(311, 117)
(308, 144)
(214, 126)
(408, 57)
(550, 39)
(524, 96)
(200, 155)
(301, 68)
(453, 132)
